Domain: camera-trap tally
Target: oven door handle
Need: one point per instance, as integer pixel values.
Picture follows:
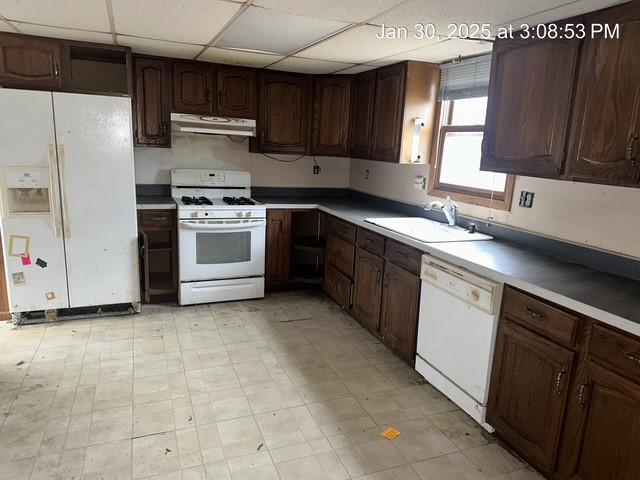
(222, 224)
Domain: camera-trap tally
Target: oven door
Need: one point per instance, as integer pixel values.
(219, 249)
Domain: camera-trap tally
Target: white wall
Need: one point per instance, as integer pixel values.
(219, 152)
(599, 216)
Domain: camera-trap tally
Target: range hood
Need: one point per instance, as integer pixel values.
(189, 123)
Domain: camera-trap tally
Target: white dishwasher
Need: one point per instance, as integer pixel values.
(456, 334)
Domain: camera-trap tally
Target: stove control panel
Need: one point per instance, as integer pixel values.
(221, 214)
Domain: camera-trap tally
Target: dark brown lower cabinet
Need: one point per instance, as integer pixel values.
(399, 318)
(367, 289)
(529, 384)
(5, 313)
(338, 286)
(278, 247)
(157, 233)
(607, 446)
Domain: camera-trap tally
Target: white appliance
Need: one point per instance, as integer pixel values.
(221, 236)
(427, 231)
(457, 328)
(68, 201)
(189, 123)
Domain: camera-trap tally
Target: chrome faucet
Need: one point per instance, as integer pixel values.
(449, 208)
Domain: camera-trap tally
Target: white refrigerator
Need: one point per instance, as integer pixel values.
(68, 207)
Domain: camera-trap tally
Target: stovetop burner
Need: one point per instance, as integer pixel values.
(196, 201)
(238, 201)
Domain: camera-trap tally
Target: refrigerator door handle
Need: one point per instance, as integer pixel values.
(53, 194)
(63, 191)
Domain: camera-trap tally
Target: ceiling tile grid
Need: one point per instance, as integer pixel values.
(314, 36)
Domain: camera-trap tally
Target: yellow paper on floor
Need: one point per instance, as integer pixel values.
(390, 433)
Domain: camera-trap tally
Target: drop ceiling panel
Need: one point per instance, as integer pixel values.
(192, 21)
(236, 57)
(65, 33)
(307, 65)
(360, 45)
(569, 10)
(159, 47)
(442, 13)
(275, 32)
(441, 51)
(353, 11)
(84, 14)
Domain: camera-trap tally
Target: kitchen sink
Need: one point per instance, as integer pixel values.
(427, 231)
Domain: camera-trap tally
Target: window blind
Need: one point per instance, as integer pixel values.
(466, 79)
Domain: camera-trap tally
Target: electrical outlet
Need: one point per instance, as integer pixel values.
(316, 169)
(420, 182)
(526, 199)
(366, 174)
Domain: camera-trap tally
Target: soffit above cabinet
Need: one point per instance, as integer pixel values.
(307, 65)
(159, 47)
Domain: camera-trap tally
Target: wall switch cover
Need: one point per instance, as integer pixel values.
(420, 182)
(526, 199)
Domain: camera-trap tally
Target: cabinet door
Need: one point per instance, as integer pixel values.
(340, 254)
(332, 102)
(284, 113)
(528, 392)
(30, 62)
(152, 104)
(387, 113)
(338, 287)
(364, 86)
(399, 318)
(605, 139)
(192, 88)
(237, 92)
(278, 247)
(367, 289)
(608, 443)
(528, 108)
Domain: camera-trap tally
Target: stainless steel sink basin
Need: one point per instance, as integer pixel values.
(427, 231)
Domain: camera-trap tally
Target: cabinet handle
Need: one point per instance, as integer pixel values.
(483, 146)
(164, 128)
(631, 150)
(535, 315)
(582, 392)
(378, 276)
(559, 380)
(386, 280)
(633, 357)
(55, 69)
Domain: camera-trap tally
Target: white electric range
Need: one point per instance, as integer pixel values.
(221, 236)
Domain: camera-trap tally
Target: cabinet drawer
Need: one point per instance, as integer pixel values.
(337, 286)
(341, 254)
(342, 229)
(163, 219)
(618, 351)
(540, 317)
(370, 241)
(404, 256)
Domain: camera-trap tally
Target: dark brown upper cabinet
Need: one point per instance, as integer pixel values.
(387, 113)
(331, 110)
(152, 102)
(364, 86)
(193, 88)
(283, 119)
(403, 92)
(529, 105)
(30, 62)
(605, 140)
(237, 92)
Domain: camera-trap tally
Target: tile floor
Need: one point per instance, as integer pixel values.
(288, 388)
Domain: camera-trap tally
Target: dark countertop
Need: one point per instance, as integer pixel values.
(609, 298)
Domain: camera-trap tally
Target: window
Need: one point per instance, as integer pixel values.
(456, 169)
